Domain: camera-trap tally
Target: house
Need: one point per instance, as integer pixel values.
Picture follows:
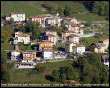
(47, 53)
(40, 19)
(51, 38)
(68, 46)
(19, 23)
(44, 44)
(78, 49)
(21, 37)
(105, 59)
(73, 38)
(53, 32)
(29, 56)
(16, 54)
(72, 26)
(53, 21)
(16, 16)
(98, 48)
(25, 65)
(66, 34)
(104, 41)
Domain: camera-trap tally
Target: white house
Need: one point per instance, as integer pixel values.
(51, 38)
(73, 38)
(53, 21)
(47, 53)
(16, 16)
(21, 37)
(81, 31)
(78, 49)
(105, 59)
(15, 54)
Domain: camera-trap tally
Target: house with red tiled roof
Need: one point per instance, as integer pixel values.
(78, 49)
(51, 35)
(53, 21)
(51, 38)
(17, 16)
(21, 37)
(44, 44)
(16, 54)
(47, 53)
(98, 47)
(29, 56)
(73, 38)
(65, 34)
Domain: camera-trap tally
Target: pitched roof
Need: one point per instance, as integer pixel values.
(69, 31)
(51, 31)
(50, 35)
(102, 39)
(72, 24)
(66, 18)
(21, 51)
(47, 48)
(78, 45)
(28, 52)
(73, 35)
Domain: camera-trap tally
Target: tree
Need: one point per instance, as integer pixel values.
(106, 9)
(55, 47)
(11, 21)
(62, 69)
(5, 73)
(69, 73)
(62, 78)
(55, 75)
(76, 75)
(68, 11)
(22, 28)
(60, 10)
(40, 67)
(34, 28)
(96, 6)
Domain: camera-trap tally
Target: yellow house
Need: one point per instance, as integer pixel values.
(69, 45)
(98, 48)
(104, 41)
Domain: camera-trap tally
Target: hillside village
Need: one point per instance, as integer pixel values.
(49, 38)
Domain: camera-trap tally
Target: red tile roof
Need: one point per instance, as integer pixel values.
(72, 24)
(81, 29)
(102, 39)
(76, 46)
(17, 51)
(69, 31)
(50, 35)
(51, 31)
(72, 35)
(66, 18)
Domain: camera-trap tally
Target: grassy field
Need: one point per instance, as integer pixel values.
(30, 8)
(33, 8)
(89, 17)
(77, 7)
(22, 76)
(7, 46)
